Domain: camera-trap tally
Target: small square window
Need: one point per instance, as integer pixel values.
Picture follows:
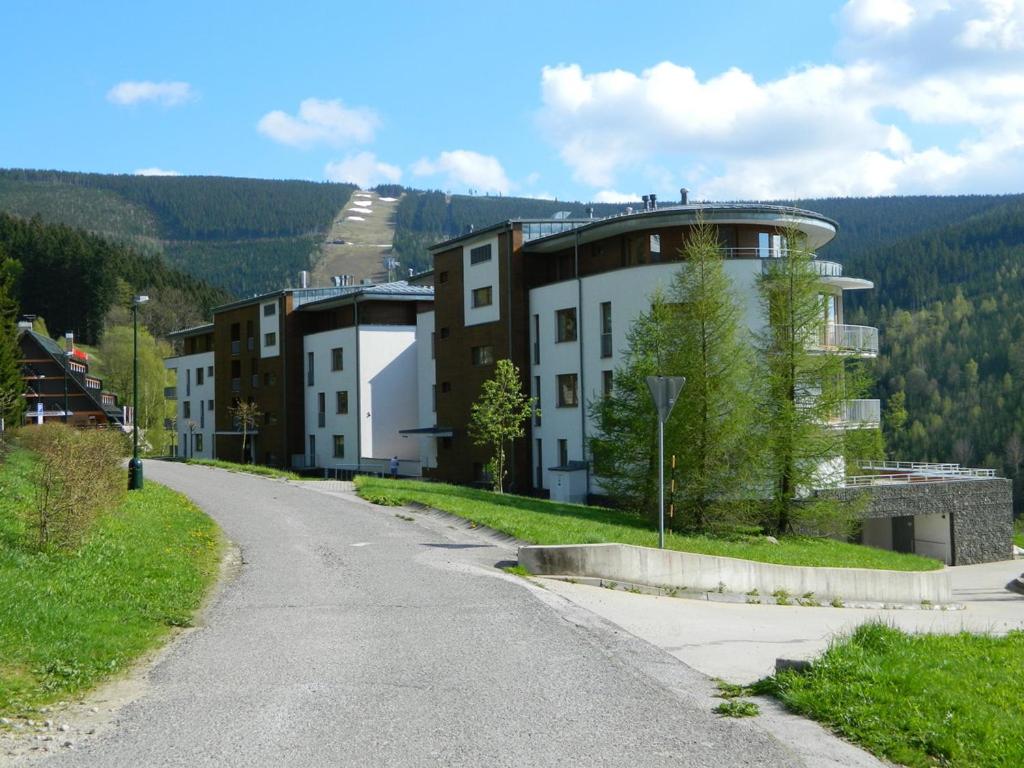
(482, 296)
(483, 355)
(445, 333)
(270, 339)
(337, 359)
(269, 310)
(480, 254)
(567, 390)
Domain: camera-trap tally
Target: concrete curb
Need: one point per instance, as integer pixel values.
(675, 572)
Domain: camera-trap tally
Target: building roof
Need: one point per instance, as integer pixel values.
(819, 229)
(195, 330)
(399, 290)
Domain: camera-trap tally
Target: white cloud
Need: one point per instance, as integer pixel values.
(154, 171)
(611, 196)
(168, 94)
(363, 169)
(847, 128)
(321, 121)
(463, 168)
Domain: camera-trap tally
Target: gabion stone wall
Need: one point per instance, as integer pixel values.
(982, 512)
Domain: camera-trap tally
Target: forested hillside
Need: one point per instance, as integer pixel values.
(72, 278)
(243, 235)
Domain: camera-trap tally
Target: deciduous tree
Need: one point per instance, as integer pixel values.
(498, 417)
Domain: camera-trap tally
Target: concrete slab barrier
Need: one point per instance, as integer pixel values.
(686, 570)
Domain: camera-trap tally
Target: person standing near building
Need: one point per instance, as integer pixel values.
(393, 467)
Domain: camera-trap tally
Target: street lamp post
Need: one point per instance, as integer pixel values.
(135, 465)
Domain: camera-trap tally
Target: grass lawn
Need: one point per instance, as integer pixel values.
(68, 620)
(544, 522)
(252, 469)
(919, 700)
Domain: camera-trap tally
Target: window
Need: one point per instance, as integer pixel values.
(433, 398)
(446, 386)
(209, 371)
(442, 277)
(606, 329)
(540, 464)
(446, 443)
(433, 344)
(337, 359)
(565, 324)
(209, 405)
(536, 401)
(250, 340)
(563, 452)
(321, 409)
(269, 379)
(655, 249)
(202, 416)
(188, 381)
(269, 310)
(311, 458)
(480, 254)
(269, 339)
(445, 332)
(199, 376)
(536, 339)
(482, 296)
(341, 401)
(567, 397)
(606, 383)
(309, 369)
(186, 409)
(339, 446)
(198, 438)
(483, 355)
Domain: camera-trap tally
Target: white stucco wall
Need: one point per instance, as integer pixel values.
(388, 392)
(479, 276)
(426, 379)
(330, 382)
(271, 324)
(629, 291)
(198, 396)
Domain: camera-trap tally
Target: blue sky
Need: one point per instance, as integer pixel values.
(595, 100)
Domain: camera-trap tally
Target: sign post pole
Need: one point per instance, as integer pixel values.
(664, 391)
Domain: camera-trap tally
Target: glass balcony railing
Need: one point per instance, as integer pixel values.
(859, 414)
(861, 340)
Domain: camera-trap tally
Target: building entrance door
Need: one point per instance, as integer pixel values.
(903, 534)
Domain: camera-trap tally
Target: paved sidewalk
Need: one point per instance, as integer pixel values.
(740, 643)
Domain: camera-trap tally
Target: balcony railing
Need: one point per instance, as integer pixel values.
(236, 385)
(236, 346)
(859, 413)
(903, 472)
(850, 339)
(170, 393)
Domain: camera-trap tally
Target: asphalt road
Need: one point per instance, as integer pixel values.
(353, 637)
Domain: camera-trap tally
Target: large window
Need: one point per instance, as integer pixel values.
(563, 452)
(483, 355)
(480, 254)
(198, 439)
(321, 409)
(309, 369)
(567, 391)
(606, 329)
(337, 359)
(186, 409)
(339, 446)
(341, 401)
(482, 296)
(199, 375)
(565, 324)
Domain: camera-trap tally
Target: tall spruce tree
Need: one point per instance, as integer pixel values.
(803, 389)
(711, 424)
(11, 402)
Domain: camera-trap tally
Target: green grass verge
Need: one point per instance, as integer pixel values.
(252, 469)
(68, 620)
(544, 522)
(1018, 532)
(918, 700)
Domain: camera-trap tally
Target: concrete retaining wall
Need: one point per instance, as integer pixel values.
(667, 568)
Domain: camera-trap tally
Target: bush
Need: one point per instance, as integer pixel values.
(77, 478)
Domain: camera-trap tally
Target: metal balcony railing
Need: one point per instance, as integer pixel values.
(904, 472)
(849, 339)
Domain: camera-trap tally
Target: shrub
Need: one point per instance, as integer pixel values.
(77, 478)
